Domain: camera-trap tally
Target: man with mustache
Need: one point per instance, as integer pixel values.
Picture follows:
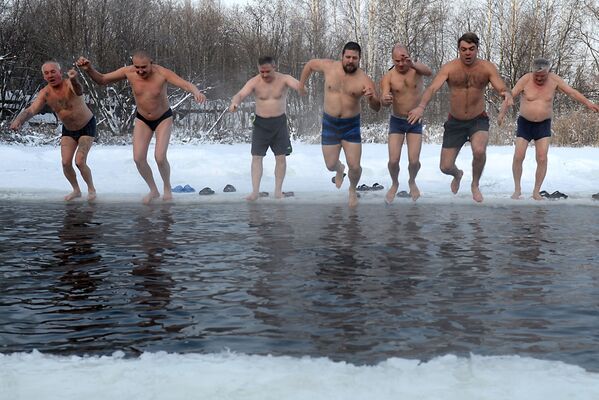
(344, 85)
(65, 98)
(467, 78)
(148, 82)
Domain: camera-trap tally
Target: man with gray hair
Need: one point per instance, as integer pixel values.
(65, 98)
(534, 122)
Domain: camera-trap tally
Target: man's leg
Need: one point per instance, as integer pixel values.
(163, 137)
(353, 154)
(68, 145)
(519, 154)
(414, 146)
(541, 150)
(142, 134)
(280, 169)
(395, 144)
(85, 145)
(448, 167)
(330, 153)
(478, 142)
(256, 177)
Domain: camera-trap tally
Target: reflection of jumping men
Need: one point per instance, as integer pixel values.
(534, 122)
(402, 87)
(345, 83)
(65, 98)
(149, 82)
(270, 126)
(467, 78)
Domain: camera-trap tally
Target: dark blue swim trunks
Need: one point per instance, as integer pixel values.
(334, 130)
(88, 130)
(401, 125)
(530, 130)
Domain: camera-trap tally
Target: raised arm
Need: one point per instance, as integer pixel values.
(314, 65)
(99, 78)
(36, 106)
(516, 90)
(181, 83)
(371, 95)
(386, 94)
(245, 91)
(575, 94)
(416, 114)
(421, 69)
(75, 84)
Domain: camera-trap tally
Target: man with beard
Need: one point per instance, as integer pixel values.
(65, 98)
(534, 123)
(270, 125)
(345, 84)
(402, 86)
(467, 78)
(148, 82)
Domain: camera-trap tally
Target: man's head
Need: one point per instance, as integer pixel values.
(267, 68)
(468, 48)
(52, 73)
(350, 57)
(401, 57)
(540, 70)
(142, 62)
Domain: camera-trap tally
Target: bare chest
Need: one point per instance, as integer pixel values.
(468, 79)
(61, 99)
(405, 82)
(348, 85)
(533, 92)
(273, 91)
(152, 87)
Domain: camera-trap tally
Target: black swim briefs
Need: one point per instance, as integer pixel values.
(271, 132)
(88, 130)
(154, 123)
(530, 130)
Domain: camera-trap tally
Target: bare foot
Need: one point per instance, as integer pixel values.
(353, 198)
(391, 193)
(73, 195)
(167, 196)
(253, 196)
(339, 177)
(455, 183)
(516, 195)
(91, 196)
(414, 191)
(279, 195)
(537, 196)
(476, 194)
(150, 197)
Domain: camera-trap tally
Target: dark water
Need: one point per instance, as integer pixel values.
(412, 280)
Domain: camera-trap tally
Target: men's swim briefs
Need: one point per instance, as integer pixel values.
(334, 130)
(154, 123)
(88, 130)
(402, 126)
(530, 130)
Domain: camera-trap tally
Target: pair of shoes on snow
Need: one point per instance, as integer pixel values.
(208, 191)
(366, 188)
(555, 195)
(183, 189)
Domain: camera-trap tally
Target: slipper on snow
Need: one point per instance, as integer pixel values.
(206, 191)
(263, 194)
(188, 189)
(177, 189)
(376, 186)
(334, 180)
(229, 189)
(403, 194)
(288, 194)
(545, 194)
(363, 188)
(595, 196)
(558, 195)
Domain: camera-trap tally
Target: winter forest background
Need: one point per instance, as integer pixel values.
(216, 46)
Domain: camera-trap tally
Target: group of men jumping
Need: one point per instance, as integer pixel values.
(345, 84)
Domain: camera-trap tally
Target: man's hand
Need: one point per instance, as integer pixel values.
(83, 63)
(367, 92)
(415, 115)
(593, 107)
(15, 125)
(199, 96)
(387, 99)
(72, 74)
(301, 89)
(233, 107)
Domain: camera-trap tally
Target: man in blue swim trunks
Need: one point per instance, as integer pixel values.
(65, 98)
(270, 125)
(534, 123)
(467, 78)
(344, 85)
(149, 82)
(402, 86)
